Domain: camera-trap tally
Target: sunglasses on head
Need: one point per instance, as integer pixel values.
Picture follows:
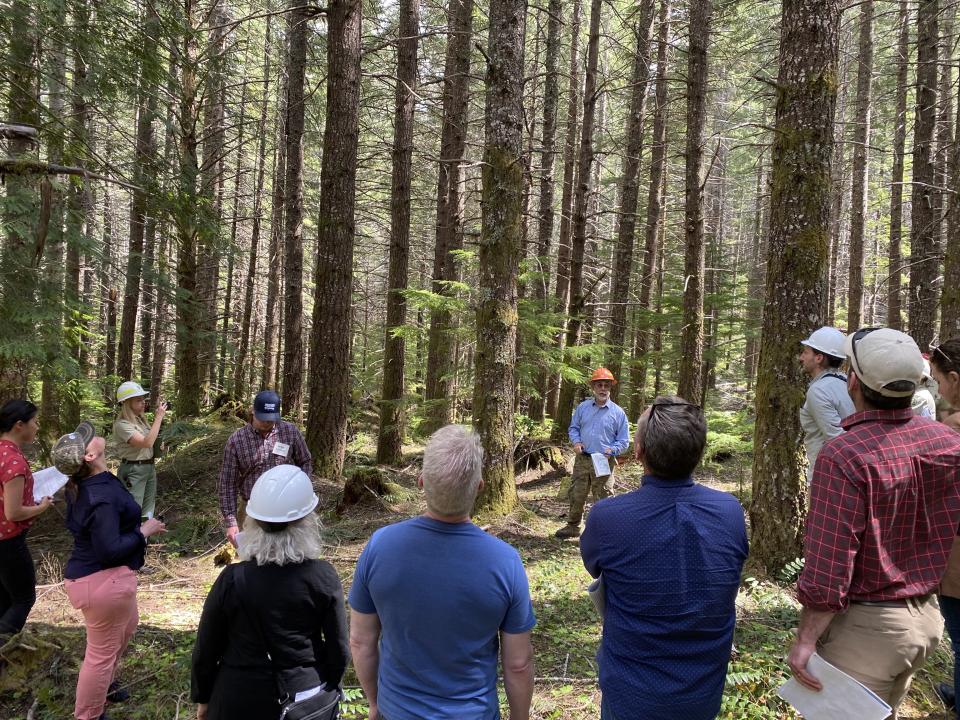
(935, 349)
(857, 337)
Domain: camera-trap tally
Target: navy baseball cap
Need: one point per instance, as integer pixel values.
(266, 406)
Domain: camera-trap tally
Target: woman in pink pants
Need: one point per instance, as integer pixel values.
(108, 549)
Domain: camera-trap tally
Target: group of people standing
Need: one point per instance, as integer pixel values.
(437, 605)
(110, 518)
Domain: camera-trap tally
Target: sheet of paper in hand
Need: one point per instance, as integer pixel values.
(47, 482)
(601, 466)
(841, 697)
(598, 595)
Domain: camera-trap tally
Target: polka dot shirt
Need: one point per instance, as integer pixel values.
(13, 464)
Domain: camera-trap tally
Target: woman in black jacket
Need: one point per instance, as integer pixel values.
(292, 608)
(100, 576)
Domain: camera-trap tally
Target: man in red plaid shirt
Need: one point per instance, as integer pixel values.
(265, 442)
(884, 509)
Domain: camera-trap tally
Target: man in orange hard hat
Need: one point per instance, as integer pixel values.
(599, 432)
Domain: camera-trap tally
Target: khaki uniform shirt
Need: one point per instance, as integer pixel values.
(123, 430)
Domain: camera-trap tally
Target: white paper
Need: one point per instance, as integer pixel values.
(307, 694)
(281, 449)
(598, 595)
(47, 482)
(601, 466)
(842, 697)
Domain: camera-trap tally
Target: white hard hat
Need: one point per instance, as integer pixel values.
(282, 494)
(827, 340)
(130, 389)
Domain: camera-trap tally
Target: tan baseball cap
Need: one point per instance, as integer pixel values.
(883, 356)
(69, 450)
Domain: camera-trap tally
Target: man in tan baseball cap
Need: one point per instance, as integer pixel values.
(884, 506)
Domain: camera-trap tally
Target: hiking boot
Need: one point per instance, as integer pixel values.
(117, 694)
(568, 531)
(947, 694)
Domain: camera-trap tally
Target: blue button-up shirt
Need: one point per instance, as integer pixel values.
(599, 427)
(671, 554)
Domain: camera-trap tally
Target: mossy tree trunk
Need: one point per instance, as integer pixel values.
(390, 436)
(331, 332)
(799, 229)
(500, 236)
(438, 386)
(690, 382)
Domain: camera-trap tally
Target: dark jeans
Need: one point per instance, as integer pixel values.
(18, 581)
(950, 609)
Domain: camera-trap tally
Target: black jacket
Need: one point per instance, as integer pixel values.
(301, 610)
(104, 520)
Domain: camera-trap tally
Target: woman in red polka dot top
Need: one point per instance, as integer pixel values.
(18, 579)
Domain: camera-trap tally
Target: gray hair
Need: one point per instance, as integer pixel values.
(452, 465)
(298, 541)
(672, 437)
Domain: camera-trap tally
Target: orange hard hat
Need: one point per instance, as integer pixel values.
(601, 373)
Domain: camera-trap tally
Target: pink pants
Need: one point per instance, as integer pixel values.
(108, 601)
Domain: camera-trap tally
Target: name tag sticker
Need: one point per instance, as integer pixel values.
(281, 449)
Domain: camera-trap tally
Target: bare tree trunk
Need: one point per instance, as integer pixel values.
(564, 409)
(799, 231)
(239, 366)
(449, 235)
(551, 386)
(923, 231)
(390, 437)
(629, 191)
(502, 208)
(757, 275)
(690, 384)
(944, 131)
(655, 212)
(545, 212)
(293, 239)
(894, 303)
(950, 298)
(861, 154)
(189, 310)
(142, 171)
(330, 336)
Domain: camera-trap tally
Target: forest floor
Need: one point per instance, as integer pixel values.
(38, 682)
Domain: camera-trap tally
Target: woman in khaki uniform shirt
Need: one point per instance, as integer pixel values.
(135, 438)
(945, 369)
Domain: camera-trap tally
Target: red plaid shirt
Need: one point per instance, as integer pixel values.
(249, 454)
(884, 508)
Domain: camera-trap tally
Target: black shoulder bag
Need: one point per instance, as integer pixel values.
(325, 705)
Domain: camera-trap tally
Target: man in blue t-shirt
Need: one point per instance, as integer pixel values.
(435, 598)
(670, 554)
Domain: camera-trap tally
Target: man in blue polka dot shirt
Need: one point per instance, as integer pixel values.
(670, 554)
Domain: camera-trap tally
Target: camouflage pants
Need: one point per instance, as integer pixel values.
(583, 483)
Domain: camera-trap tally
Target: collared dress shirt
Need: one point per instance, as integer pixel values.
(249, 454)
(599, 427)
(826, 405)
(884, 508)
(671, 554)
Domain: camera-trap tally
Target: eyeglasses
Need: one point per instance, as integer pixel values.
(934, 349)
(857, 337)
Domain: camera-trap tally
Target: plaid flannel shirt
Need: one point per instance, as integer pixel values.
(884, 508)
(248, 455)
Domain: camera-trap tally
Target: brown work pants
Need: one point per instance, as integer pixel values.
(883, 647)
(585, 482)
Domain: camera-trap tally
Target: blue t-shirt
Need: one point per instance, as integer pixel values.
(442, 592)
(671, 554)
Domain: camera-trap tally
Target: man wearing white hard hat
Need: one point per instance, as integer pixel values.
(135, 438)
(884, 506)
(827, 401)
